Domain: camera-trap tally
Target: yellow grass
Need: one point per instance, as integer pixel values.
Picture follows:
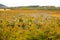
(30, 25)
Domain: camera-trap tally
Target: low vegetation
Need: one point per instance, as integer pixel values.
(30, 28)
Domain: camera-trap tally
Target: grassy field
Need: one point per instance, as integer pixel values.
(30, 25)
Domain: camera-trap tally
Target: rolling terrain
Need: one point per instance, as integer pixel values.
(28, 24)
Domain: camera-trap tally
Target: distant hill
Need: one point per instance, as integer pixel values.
(33, 7)
(2, 6)
(37, 7)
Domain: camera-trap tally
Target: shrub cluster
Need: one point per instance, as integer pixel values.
(30, 28)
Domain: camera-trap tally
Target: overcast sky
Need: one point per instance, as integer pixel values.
(13, 3)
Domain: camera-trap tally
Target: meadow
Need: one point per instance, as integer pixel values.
(30, 25)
